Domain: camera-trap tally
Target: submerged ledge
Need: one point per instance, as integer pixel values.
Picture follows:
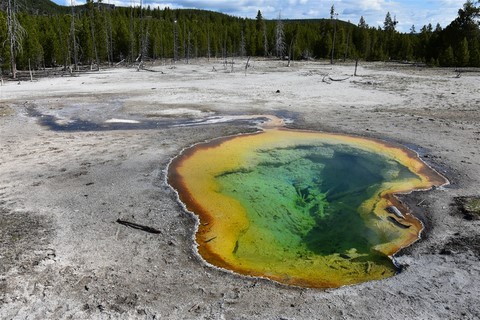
(299, 207)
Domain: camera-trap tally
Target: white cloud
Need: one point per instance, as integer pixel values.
(364, 5)
(407, 12)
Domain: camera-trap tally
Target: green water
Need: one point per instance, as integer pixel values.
(304, 200)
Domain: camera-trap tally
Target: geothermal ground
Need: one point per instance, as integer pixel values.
(80, 153)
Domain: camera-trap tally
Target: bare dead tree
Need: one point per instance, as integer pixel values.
(91, 11)
(109, 35)
(1, 71)
(291, 49)
(247, 65)
(279, 38)
(16, 34)
(188, 47)
(208, 44)
(225, 53)
(184, 36)
(265, 40)
(30, 70)
(144, 38)
(175, 41)
(145, 45)
(132, 32)
(333, 17)
(347, 46)
(74, 37)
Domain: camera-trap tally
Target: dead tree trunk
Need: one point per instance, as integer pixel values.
(279, 38)
(184, 36)
(291, 51)
(333, 18)
(265, 41)
(109, 37)
(132, 35)
(346, 47)
(334, 40)
(15, 36)
(225, 55)
(30, 70)
(247, 65)
(175, 41)
(208, 45)
(92, 30)
(74, 38)
(188, 47)
(11, 37)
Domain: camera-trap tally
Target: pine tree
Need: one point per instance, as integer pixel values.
(243, 46)
(95, 34)
(361, 39)
(474, 50)
(389, 24)
(31, 55)
(463, 54)
(447, 59)
(362, 24)
(391, 42)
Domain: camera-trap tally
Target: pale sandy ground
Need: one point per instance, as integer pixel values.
(63, 256)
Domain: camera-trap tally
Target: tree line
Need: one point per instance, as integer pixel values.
(97, 34)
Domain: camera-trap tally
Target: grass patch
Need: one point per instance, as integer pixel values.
(469, 207)
(6, 111)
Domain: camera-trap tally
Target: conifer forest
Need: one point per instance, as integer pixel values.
(41, 34)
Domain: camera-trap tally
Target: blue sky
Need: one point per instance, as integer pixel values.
(407, 12)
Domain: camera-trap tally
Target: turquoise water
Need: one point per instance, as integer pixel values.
(306, 200)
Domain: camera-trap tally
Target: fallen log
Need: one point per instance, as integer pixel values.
(343, 79)
(119, 63)
(398, 223)
(138, 226)
(395, 211)
(151, 70)
(326, 79)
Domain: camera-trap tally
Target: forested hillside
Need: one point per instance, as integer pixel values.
(39, 7)
(38, 34)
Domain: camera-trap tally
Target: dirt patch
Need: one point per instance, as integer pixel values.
(469, 207)
(6, 111)
(24, 240)
(459, 244)
(451, 113)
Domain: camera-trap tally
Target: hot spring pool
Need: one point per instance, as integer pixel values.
(301, 208)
